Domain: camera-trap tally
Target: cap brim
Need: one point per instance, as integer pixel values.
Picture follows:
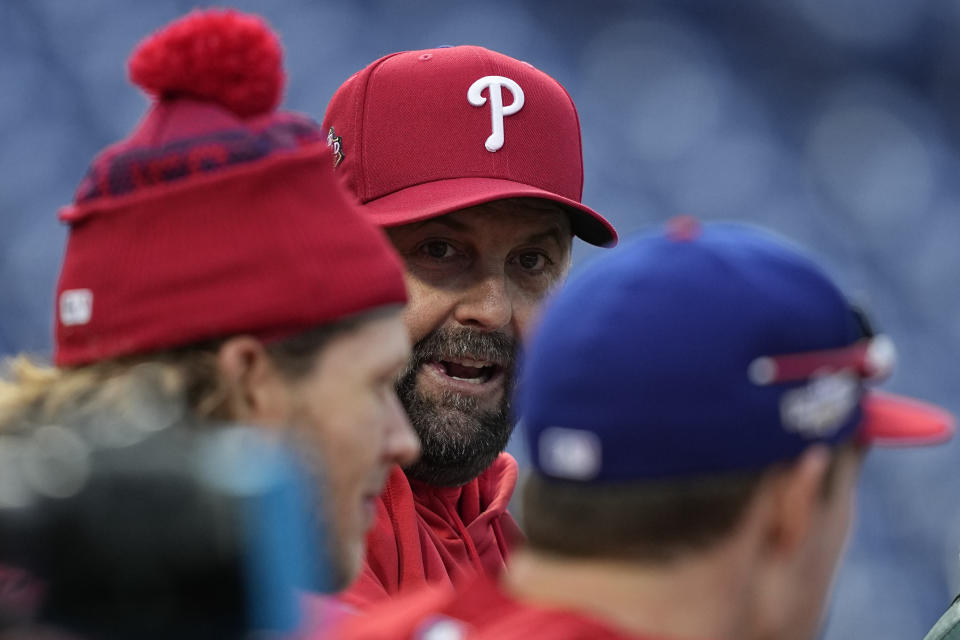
(897, 421)
(432, 199)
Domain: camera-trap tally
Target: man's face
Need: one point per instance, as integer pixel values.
(351, 426)
(475, 278)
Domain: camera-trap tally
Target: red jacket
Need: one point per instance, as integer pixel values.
(427, 534)
(480, 611)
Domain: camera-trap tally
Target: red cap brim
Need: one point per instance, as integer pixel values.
(896, 421)
(432, 199)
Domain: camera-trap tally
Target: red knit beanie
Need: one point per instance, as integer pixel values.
(218, 215)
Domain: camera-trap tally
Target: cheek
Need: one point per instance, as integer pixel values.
(845, 522)
(845, 508)
(342, 438)
(342, 459)
(427, 308)
(528, 304)
(314, 447)
(526, 313)
(324, 436)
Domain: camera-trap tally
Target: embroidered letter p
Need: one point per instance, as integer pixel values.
(494, 86)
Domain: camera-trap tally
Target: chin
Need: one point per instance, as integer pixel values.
(348, 563)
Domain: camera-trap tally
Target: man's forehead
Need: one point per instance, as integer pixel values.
(523, 215)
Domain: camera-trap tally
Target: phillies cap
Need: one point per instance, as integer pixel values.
(419, 134)
(218, 215)
(700, 351)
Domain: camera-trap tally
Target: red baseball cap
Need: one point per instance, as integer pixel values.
(419, 134)
(892, 420)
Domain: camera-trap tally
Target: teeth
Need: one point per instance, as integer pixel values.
(470, 380)
(469, 362)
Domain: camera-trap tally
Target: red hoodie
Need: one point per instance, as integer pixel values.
(446, 535)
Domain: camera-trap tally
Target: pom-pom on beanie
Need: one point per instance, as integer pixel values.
(218, 215)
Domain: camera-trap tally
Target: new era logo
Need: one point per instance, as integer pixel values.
(76, 307)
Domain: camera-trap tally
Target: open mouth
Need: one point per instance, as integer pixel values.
(468, 375)
(468, 369)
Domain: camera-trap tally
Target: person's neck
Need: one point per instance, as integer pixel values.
(705, 598)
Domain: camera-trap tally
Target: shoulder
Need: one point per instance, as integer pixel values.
(527, 621)
(948, 626)
(434, 612)
(479, 611)
(396, 618)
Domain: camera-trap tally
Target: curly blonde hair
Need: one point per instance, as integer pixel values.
(38, 392)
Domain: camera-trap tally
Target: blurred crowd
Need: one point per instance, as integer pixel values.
(831, 123)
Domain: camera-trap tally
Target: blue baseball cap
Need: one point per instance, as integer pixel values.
(701, 350)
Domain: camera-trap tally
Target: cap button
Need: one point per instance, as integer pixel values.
(683, 228)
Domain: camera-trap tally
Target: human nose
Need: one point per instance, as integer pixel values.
(402, 444)
(486, 305)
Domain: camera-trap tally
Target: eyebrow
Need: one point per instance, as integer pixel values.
(443, 220)
(554, 232)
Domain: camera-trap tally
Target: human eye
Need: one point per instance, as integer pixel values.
(437, 250)
(533, 262)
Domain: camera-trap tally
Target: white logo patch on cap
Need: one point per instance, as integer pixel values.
(820, 407)
(76, 307)
(570, 453)
(494, 86)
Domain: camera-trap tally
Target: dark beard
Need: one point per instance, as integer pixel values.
(458, 439)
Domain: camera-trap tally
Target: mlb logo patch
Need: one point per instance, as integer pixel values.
(570, 453)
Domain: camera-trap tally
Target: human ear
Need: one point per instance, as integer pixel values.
(256, 391)
(796, 501)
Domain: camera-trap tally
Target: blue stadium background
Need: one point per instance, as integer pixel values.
(834, 122)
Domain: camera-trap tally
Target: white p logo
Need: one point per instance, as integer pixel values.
(494, 85)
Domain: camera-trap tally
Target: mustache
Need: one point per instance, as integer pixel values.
(451, 343)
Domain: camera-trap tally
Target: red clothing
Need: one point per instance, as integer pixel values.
(447, 535)
(480, 611)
